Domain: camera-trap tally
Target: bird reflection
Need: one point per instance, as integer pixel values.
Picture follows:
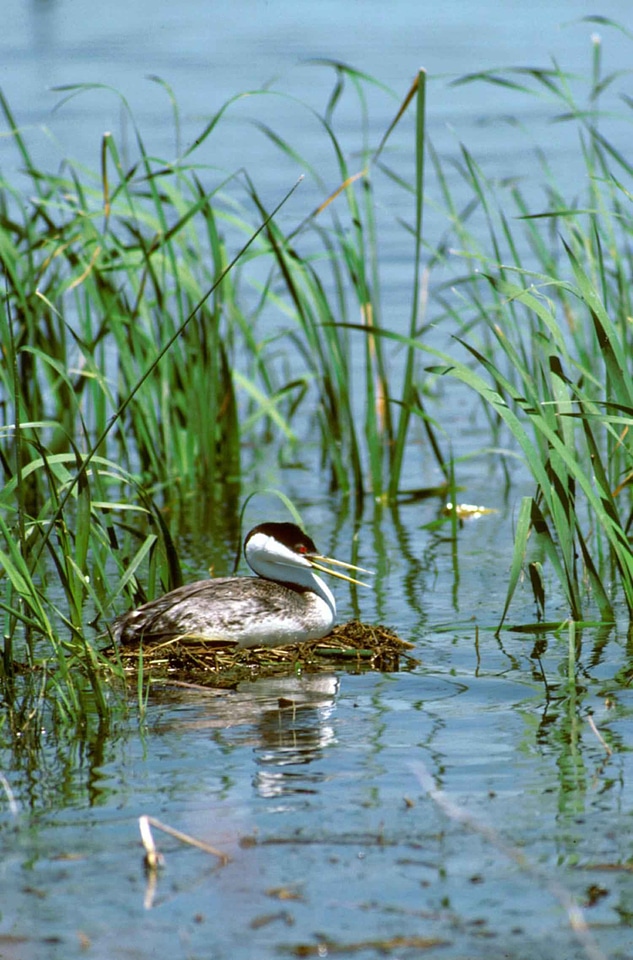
(294, 734)
(291, 738)
(285, 720)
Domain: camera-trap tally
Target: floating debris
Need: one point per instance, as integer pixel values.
(354, 645)
(384, 946)
(468, 511)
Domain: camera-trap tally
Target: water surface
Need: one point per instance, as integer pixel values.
(336, 848)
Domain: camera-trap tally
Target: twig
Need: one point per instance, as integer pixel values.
(6, 786)
(153, 858)
(144, 826)
(599, 736)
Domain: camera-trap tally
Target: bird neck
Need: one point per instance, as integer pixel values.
(320, 587)
(303, 577)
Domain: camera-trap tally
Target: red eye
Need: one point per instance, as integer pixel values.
(301, 548)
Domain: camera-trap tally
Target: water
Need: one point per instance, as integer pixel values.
(208, 54)
(336, 847)
(332, 838)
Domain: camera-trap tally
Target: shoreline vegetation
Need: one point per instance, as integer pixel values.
(127, 316)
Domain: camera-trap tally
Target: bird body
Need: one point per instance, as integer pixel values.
(286, 603)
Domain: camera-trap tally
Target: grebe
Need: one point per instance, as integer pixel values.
(285, 603)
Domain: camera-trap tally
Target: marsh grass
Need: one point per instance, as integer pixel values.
(68, 387)
(552, 352)
(156, 330)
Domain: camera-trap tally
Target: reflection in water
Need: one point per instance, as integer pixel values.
(52, 764)
(293, 733)
(287, 721)
(290, 739)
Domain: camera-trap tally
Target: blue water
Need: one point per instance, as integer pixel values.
(209, 52)
(334, 842)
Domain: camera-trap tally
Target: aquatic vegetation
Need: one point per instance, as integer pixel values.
(172, 339)
(161, 326)
(548, 342)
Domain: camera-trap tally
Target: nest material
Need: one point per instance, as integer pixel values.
(356, 646)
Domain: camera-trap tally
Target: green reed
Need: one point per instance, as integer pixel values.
(97, 426)
(545, 326)
(326, 293)
(156, 329)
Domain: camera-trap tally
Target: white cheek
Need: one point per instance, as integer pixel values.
(263, 549)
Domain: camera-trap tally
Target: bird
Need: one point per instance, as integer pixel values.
(285, 603)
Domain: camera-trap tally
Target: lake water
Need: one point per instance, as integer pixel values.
(336, 847)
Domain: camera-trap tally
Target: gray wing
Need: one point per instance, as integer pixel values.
(207, 609)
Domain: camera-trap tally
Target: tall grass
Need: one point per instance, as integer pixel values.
(551, 309)
(98, 293)
(142, 364)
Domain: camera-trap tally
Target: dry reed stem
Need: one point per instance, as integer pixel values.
(598, 735)
(151, 851)
(194, 660)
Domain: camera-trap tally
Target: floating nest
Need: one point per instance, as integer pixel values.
(355, 646)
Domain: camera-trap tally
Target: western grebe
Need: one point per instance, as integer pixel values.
(285, 603)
